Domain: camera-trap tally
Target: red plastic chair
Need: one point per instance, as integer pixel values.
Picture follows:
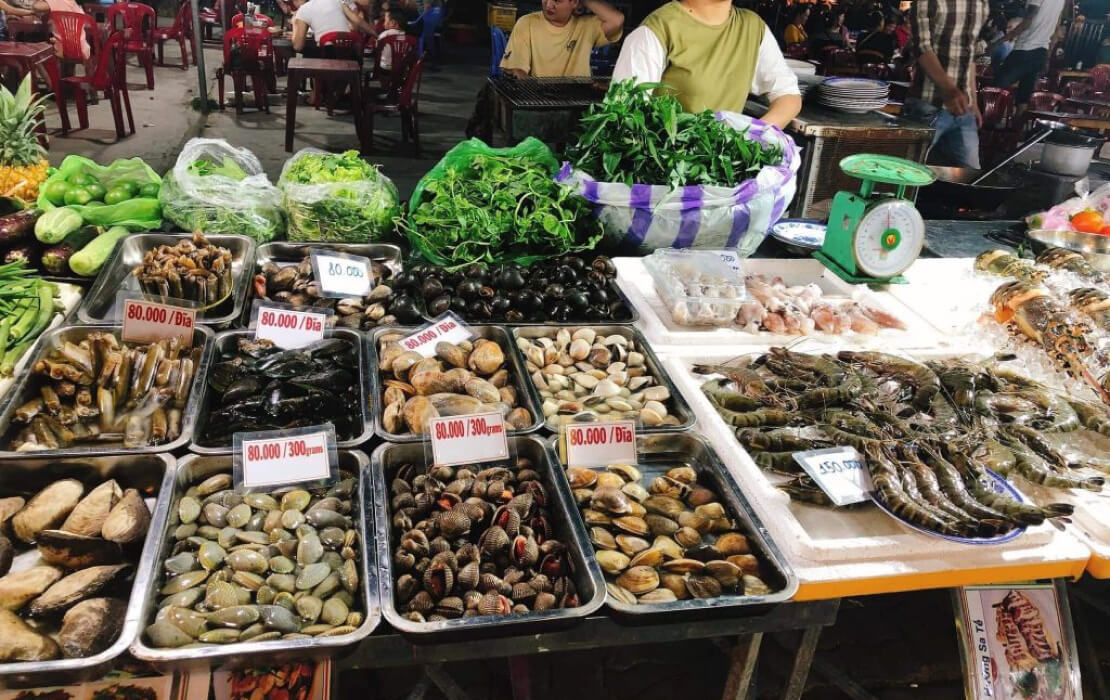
(109, 78)
(1042, 101)
(400, 50)
(181, 30)
(1100, 77)
(70, 27)
(345, 46)
(406, 104)
(1077, 89)
(799, 51)
(139, 21)
(260, 20)
(997, 107)
(838, 61)
(248, 53)
(875, 71)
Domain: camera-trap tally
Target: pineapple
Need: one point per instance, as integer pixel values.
(23, 163)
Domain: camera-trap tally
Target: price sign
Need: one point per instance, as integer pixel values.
(448, 328)
(600, 444)
(730, 258)
(839, 471)
(277, 457)
(288, 328)
(149, 322)
(468, 439)
(341, 274)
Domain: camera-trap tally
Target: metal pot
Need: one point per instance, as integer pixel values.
(1068, 153)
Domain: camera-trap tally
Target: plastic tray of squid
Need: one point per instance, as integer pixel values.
(1058, 302)
(941, 439)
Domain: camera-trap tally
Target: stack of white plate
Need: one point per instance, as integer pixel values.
(808, 82)
(852, 94)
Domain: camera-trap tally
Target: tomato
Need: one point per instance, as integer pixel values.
(1104, 231)
(1087, 221)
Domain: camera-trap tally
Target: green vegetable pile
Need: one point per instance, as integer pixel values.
(123, 193)
(482, 205)
(27, 304)
(217, 205)
(633, 136)
(337, 197)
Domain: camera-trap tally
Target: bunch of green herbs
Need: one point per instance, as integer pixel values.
(256, 214)
(337, 197)
(497, 208)
(638, 136)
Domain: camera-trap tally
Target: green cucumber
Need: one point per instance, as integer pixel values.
(53, 226)
(88, 261)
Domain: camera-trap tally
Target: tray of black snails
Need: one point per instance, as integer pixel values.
(479, 550)
(75, 560)
(244, 577)
(674, 534)
(482, 375)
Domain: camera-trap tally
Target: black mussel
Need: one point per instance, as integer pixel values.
(479, 309)
(554, 291)
(440, 304)
(604, 265)
(335, 379)
(240, 389)
(328, 347)
(223, 374)
(405, 308)
(287, 366)
(499, 305)
(468, 288)
(577, 299)
(486, 292)
(431, 288)
(510, 278)
(459, 305)
(599, 296)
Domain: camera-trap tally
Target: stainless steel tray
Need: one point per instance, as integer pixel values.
(29, 384)
(227, 340)
(283, 254)
(588, 579)
(661, 452)
(195, 467)
(682, 410)
(99, 305)
(528, 397)
(152, 475)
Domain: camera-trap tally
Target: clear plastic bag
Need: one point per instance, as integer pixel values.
(1059, 217)
(217, 188)
(336, 197)
(649, 216)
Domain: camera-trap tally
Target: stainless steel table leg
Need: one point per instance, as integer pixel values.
(446, 684)
(803, 659)
(743, 656)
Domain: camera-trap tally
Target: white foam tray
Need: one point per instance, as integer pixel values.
(659, 328)
(70, 295)
(947, 293)
(827, 545)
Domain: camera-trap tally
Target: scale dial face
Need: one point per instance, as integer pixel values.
(888, 238)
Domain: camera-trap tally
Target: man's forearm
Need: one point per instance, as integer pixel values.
(1016, 31)
(612, 19)
(936, 73)
(783, 110)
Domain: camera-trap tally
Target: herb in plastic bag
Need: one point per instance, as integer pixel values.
(634, 136)
(360, 211)
(202, 167)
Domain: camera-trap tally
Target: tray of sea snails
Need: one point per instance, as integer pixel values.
(673, 534)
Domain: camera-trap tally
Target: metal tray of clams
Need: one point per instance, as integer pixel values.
(152, 477)
(658, 454)
(194, 470)
(30, 383)
(572, 349)
(227, 340)
(586, 574)
(527, 397)
(99, 305)
(283, 254)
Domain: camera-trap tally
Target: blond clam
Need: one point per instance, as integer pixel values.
(639, 580)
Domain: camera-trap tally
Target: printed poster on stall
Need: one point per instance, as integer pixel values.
(1018, 643)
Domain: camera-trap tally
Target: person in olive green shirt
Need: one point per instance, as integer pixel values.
(714, 56)
(556, 42)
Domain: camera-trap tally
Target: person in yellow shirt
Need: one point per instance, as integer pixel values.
(795, 32)
(556, 42)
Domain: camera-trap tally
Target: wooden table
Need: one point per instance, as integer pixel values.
(1099, 105)
(28, 57)
(336, 73)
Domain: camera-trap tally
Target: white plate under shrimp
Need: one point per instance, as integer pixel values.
(1000, 485)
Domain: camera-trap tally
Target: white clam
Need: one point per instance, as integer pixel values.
(607, 388)
(586, 334)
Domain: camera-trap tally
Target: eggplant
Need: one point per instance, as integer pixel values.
(18, 226)
(55, 259)
(26, 252)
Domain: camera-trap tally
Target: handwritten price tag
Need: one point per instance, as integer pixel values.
(468, 439)
(149, 322)
(341, 275)
(448, 328)
(284, 459)
(839, 471)
(600, 444)
(289, 329)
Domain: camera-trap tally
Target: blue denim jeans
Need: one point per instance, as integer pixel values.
(956, 139)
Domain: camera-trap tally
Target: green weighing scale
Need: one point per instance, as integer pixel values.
(873, 237)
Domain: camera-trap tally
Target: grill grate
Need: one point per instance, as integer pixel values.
(536, 93)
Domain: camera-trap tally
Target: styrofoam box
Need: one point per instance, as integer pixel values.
(829, 545)
(947, 293)
(661, 330)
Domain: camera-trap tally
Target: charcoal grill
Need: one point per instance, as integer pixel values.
(547, 108)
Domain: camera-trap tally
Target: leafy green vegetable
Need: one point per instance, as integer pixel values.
(496, 208)
(256, 214)
(337, 197)
(203, 167)
(633, 136)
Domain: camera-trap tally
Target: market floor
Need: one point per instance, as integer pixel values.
(165, 120)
